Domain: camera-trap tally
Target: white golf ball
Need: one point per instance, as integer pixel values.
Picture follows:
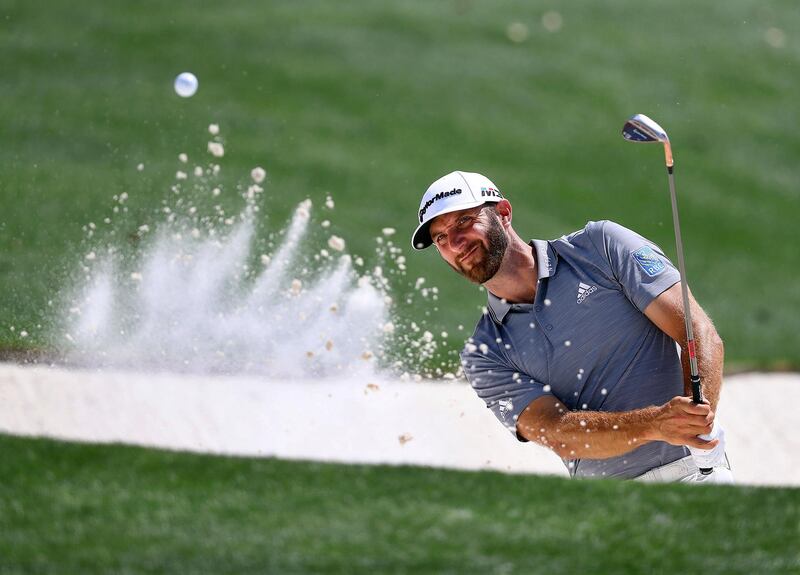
(186, 85)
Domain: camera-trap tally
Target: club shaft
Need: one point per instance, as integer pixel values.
(697, 392)
(687, 312)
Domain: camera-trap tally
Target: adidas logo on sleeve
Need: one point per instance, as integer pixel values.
(585, 291)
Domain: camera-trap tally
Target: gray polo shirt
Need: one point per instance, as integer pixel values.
(584, 340)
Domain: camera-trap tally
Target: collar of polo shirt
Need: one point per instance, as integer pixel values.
(546, 262)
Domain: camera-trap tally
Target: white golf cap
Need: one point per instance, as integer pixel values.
(451, 193)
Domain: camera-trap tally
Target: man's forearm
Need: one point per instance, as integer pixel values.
(592, 434)
(667, 313)
(710, 357)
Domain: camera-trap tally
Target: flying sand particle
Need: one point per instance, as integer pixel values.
(775, 37)
(517, 32)
(552, 21)
(258, 174)
(303, 211)
(336, 243)
(216, 149)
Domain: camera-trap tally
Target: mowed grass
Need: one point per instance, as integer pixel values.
(73, 508)
(370, 102)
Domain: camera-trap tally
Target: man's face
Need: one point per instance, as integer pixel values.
(473, 242)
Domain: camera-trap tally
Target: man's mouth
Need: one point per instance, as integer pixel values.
(467, 255)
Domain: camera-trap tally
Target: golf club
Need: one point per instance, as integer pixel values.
(640, 128)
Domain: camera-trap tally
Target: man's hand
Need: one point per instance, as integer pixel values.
(680, 421)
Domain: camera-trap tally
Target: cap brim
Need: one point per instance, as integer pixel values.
(422, 235)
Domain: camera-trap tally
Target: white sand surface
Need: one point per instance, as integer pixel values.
(366, 421)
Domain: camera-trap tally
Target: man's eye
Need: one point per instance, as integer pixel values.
(439, 239)
(464, 220)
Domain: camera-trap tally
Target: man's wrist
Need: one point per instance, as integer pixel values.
(650, 429)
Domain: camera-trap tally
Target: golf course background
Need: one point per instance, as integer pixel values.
(370, 102)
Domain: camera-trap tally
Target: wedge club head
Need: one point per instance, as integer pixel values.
(642, 129)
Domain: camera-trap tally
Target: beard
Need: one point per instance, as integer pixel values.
(485, 261)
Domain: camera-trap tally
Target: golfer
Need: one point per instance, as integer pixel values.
(577, 348)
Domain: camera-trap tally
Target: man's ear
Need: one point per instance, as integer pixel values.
(503, 211)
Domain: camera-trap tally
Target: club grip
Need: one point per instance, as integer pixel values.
(697, 393)
(697, 397)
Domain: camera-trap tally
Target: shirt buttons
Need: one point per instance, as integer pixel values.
(549, 327)
(538, 308)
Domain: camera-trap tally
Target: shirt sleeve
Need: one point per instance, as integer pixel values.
(638, 264)
(505, 391)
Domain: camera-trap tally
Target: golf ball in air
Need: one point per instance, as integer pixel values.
(186, 84)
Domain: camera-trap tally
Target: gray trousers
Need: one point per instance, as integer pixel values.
(685, 471)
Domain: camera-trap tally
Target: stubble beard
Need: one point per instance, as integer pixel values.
(486, 260)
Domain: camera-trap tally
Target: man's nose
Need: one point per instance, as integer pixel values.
(457, 239)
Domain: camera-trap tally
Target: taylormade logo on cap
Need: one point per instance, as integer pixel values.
(453, 192)
(438, 196)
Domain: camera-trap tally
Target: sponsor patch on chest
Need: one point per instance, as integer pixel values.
(649, 261)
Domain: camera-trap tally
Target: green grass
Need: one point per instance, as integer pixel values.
(371, 101)
(72, 508)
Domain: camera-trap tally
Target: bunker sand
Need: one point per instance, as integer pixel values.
(371, 420)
